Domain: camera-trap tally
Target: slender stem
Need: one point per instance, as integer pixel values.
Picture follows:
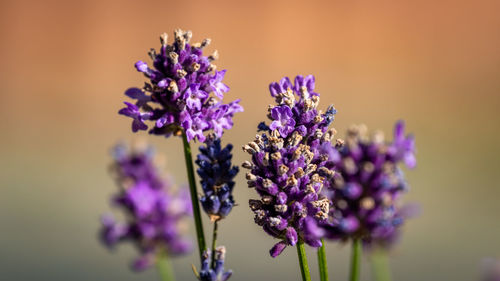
(164, 267)
(355, 260)
(194, 197)
(214, 242)
(380, 265)
(323, 266)
(304, 267)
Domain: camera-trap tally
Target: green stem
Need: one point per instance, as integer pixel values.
(164, 268)
(323, 266)
(194, 197)
(214, 242)
(380, 265)
(355, 260)
(304, 267)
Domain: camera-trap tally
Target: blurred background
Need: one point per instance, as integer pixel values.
(66, 64)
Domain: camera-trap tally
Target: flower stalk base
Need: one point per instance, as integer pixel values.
(304, 267)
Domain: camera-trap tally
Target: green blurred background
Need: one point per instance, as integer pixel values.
(65, 65)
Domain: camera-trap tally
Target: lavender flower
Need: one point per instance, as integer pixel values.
(216, 273)
(133, 112)
(154, 212)
(178, 96)
(291, 163)
(217, 178)
(283, 120)
(365, 191)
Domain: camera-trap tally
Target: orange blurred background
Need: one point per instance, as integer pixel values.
(66, 64)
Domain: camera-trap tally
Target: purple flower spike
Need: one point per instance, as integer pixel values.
(154, 212)
(291, 165)
(184, 92)
(217, 178)
(367, 187)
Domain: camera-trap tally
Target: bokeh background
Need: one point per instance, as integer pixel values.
(65, 65)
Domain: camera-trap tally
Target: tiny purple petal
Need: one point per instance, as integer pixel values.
(141, 66)
(216, 84)
(291, 236)
(277, 249)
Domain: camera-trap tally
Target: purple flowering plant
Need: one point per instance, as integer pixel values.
(291, 163)
(154, 211)
(183, 97)
(184, 92)
(217, 178)
(366, 189)
(311, 188)
(217, 174)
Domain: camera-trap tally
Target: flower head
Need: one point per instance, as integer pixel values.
(178, 96)
(366, 189)
(290, 165)
(154, 212)
(215, 273)
(217, 178)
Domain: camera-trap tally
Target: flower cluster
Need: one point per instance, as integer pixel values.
(292, 163)
(217, 178)
(184, 93)
(154, 212)
(215, 273)
(366, 188)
